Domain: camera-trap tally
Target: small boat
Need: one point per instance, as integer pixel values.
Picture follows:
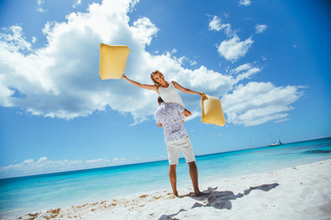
(276, 144)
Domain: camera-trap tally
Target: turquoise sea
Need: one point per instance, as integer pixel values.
(49, 191)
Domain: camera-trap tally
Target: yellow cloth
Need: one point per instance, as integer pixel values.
(212, 112)
(112, 61)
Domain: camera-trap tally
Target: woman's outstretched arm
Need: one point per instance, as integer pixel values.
(189, 91)
(143, 86)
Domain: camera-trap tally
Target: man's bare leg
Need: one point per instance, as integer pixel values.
(194, 177)
(173, 179)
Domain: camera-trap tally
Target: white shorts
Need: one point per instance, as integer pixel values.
(183, 144)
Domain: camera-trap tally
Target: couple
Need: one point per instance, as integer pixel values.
(170, 115)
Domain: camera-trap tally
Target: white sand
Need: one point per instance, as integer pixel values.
(302, 192)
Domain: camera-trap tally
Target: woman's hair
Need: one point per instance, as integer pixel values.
(159, 100)
(152, 77)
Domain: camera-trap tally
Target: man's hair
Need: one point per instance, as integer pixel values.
(159, 100)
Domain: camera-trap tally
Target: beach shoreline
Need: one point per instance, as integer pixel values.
(300, 192)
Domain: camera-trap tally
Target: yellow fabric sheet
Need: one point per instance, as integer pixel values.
(112, 61)
(212, 112)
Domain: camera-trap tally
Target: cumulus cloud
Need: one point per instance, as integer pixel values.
(259, 102)
(260, 28)
(61, 79)
(233, 49)
(144, 30)
(216, 25)
(13, 39)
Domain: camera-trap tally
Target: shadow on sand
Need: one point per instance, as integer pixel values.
(218, 199)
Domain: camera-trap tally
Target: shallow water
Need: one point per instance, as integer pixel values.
(49, 191)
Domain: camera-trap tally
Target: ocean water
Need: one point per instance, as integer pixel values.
(59, 190)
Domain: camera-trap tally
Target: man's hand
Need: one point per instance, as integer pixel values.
(187, 113)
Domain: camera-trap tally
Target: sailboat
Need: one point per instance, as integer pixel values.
(276, 143)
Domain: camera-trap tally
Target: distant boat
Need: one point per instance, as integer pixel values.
(276, 144)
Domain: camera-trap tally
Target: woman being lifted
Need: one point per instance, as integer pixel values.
(167, 90)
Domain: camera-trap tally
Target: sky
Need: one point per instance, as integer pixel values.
(268, 62)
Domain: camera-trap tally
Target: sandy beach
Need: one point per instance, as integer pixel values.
(301, 192)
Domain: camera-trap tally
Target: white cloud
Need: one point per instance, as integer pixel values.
(245, 2)
(42, 160)
(260, 28)
(61, 79)
(216, 25)
(34, 40)
(248, 74)
(77, 3)
(259, 102)
(193, 62)
(14, 40)
(144, 30)
(28, 161)
(48, 27)
(241, 68)
(233, 49)
(40, 4)
(43, 165)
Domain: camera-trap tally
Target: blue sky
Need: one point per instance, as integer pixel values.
(268, 62)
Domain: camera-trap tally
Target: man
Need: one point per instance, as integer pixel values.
(176, 138)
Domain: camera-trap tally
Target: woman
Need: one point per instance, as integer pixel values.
(166, 90)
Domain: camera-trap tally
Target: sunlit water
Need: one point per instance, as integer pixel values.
(41, 192)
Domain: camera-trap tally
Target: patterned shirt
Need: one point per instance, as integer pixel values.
(168, 115)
